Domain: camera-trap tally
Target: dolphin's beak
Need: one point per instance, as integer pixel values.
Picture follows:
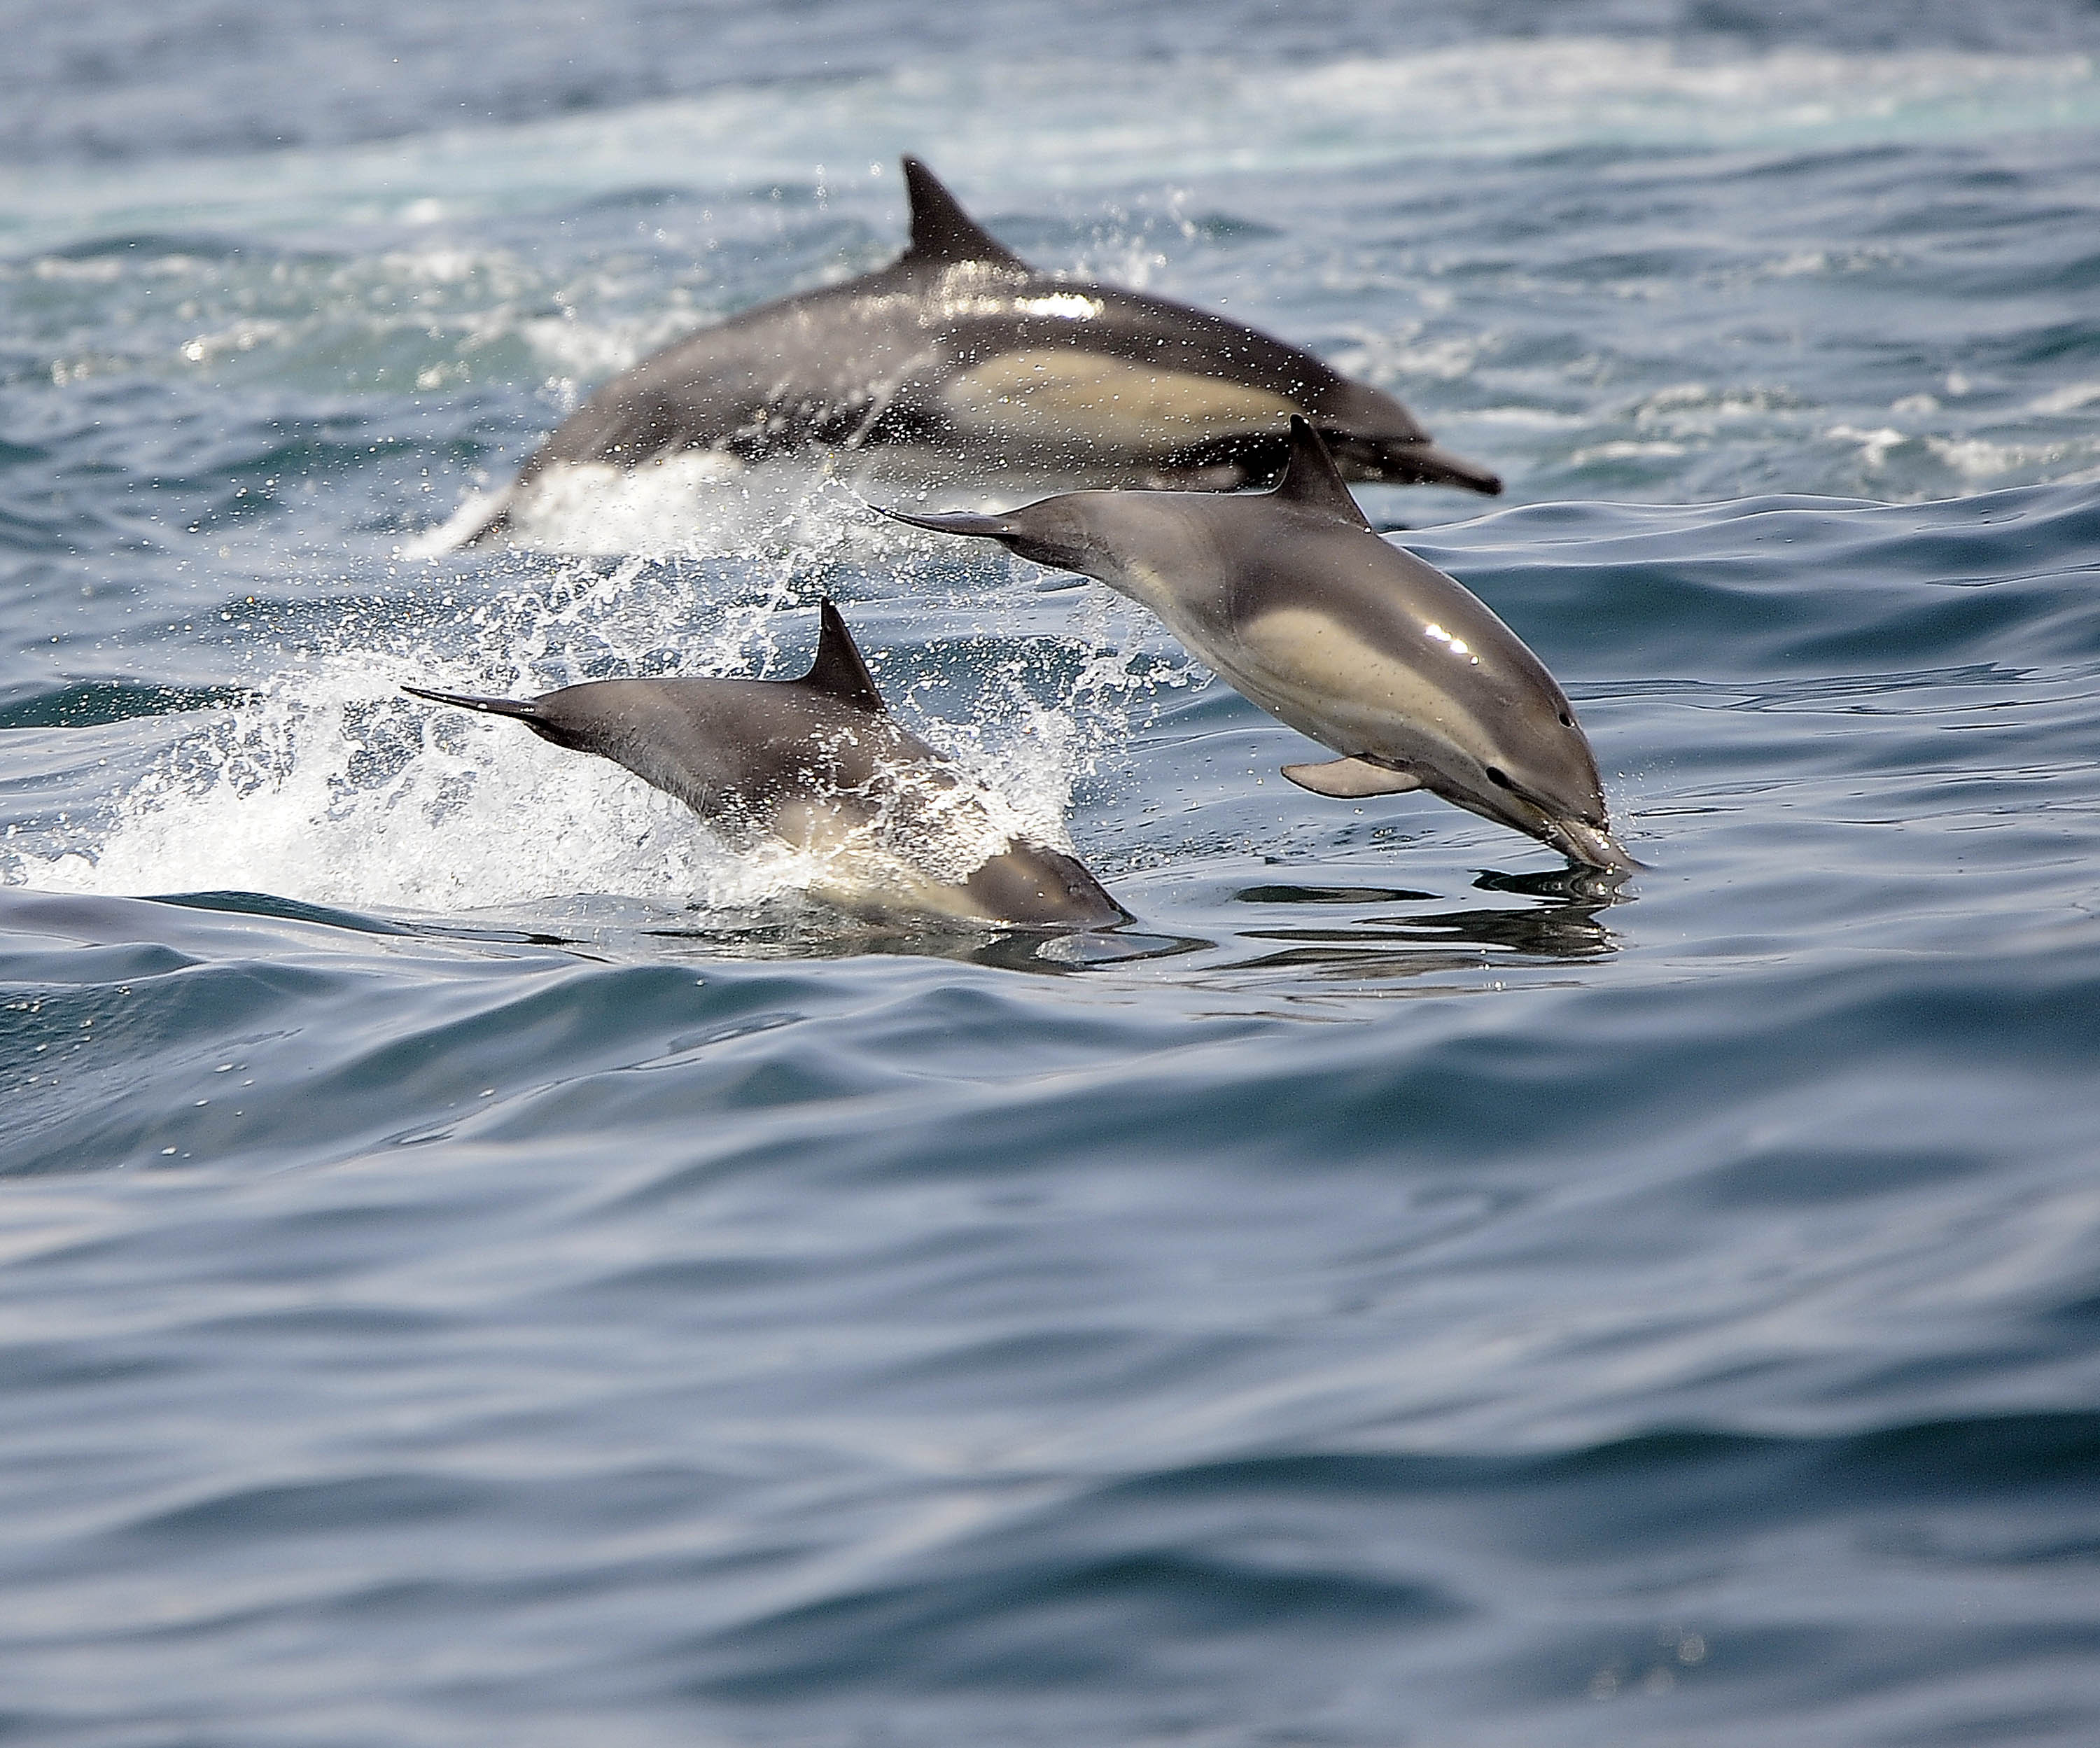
(1586, 845)
(1589, 844)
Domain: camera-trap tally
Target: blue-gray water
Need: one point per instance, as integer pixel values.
(480, 1264)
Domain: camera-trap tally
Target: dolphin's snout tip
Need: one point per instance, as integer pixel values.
(1593, 847)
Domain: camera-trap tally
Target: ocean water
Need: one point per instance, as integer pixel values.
(479, 1263)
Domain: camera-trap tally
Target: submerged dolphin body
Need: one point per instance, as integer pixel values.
(959, 352)
(1292, 598)
(819, 763)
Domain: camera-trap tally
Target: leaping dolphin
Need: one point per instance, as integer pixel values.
(819, 763)
(1291, 597)
(960, 352)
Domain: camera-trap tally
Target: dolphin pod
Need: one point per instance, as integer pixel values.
(1291, 597)
(960, 351)
(819, 763)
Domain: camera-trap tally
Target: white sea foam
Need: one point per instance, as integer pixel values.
(2068, 398)
(326, 791)
(279, 798)
(1979, 460)
(1874, 445)
(1622, 449)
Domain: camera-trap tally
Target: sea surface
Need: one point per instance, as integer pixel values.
(482, 1264)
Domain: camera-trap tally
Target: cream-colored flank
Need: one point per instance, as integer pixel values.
(909, 846)
(1306, 668)
(1083, 397)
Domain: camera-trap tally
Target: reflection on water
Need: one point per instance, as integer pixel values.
(789, 929)
(1562, 927)
(1328, 895)
(1361, 933)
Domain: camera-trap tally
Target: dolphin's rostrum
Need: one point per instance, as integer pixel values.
(1292, 598)
(962, 358)
(893, 828)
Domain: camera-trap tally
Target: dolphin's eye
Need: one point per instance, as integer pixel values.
(1499, 777)
(1566, 720)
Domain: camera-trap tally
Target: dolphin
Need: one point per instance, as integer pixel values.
(961, 352)
(820, 764)
(1291, 597)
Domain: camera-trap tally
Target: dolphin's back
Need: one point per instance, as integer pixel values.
(725, 746)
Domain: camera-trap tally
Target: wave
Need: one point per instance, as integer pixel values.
(1089, 122)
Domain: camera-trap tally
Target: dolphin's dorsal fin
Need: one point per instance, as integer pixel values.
(942, 234)
(1311, 481)
(838, 670)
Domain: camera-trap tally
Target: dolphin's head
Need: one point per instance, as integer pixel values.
(1527, 765)
(1290, 597)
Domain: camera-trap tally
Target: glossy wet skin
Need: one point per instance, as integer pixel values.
(959, 352)
(1010, 370)
(1354, 642)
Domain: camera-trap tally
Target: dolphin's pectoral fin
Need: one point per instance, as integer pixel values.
(1312, 482)
(1351, 779)
(838, 670)
(942, 234)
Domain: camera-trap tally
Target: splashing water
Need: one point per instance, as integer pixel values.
(328, 786)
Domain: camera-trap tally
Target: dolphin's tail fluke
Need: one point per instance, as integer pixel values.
(955, 522)
(1427, 464)
(481, 518)
(497, 526)
(1041, 533)
(525, 708)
